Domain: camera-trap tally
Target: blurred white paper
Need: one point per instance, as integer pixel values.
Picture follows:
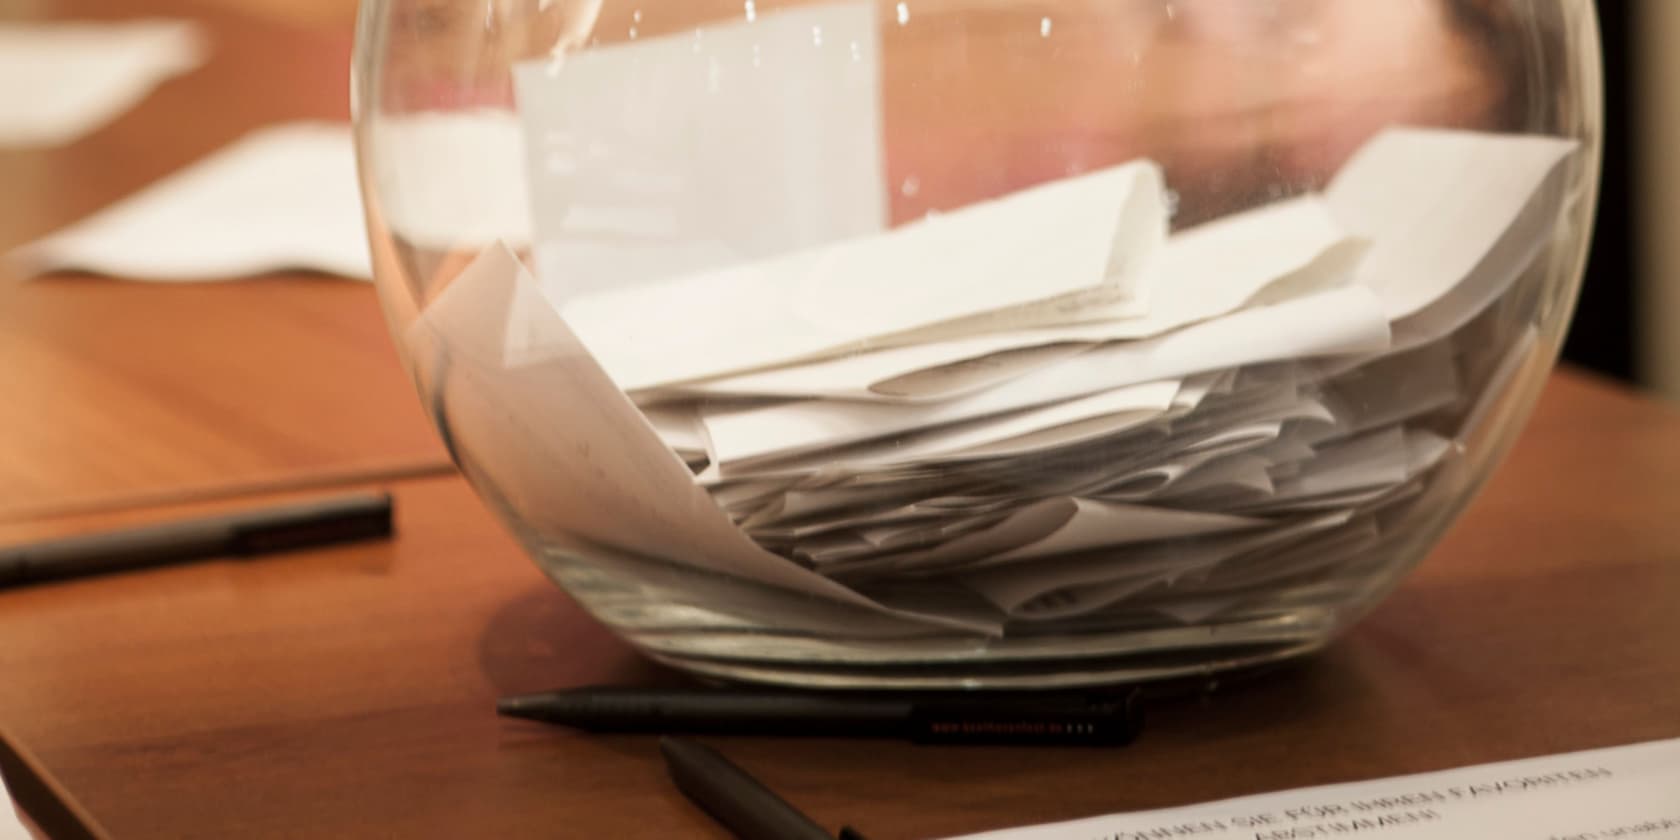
(730, 143)
(1617, 792)
(60, 81)
(569, 448)
(450, 180)
(284, 197)
(11, 824)
(1054, 239)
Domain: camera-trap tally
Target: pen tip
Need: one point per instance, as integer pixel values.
(519, 707)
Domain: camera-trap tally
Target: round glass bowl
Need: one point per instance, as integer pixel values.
(977, 343)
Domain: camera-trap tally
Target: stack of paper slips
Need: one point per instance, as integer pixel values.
(1033, 410)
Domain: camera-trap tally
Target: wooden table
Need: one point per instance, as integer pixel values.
(120, 394)
(348, 692)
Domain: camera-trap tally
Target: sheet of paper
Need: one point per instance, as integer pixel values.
(1097, 579)
(1338, 321)
(1453, 216)
(284, 197)
(1382, 458)
(1056, 526)
(1096, 524)
(1143, 484)
(741, 140)
(885, 373)
(569, 451)
(1029, 523)
(1395, 387)
(678, 426)
(60, 81)
(1243, 475)
(1320, 550)
(1050, 240)
(1148, 456)
(1011, 434)
(942, 368)
(968, 375)
(1624, 791)
(1218, 267)
(801, 513)
(11, 823)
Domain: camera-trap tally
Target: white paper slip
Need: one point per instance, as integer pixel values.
(1057, 526)
(284, 197)
(569, 451)
(1012, 434)
(1621, 792)
(950, 367)
(911, 373)
(1453, 217)
(1096, 524)
(60, 81)
(1090, 577)
(1051, 240)
(1338, 321)
(1218, 267)
(736, 141)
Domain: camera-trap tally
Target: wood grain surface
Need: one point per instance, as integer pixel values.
(127, 393)
(348, 692)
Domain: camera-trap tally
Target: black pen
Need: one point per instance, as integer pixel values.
(1025, 718)
(733, 798)
(243, 534)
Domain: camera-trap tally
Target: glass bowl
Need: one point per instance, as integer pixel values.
(977, 343)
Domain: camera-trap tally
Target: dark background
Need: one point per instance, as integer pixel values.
(1603, 336)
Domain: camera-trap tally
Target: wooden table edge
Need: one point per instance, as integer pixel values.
(42, 800)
